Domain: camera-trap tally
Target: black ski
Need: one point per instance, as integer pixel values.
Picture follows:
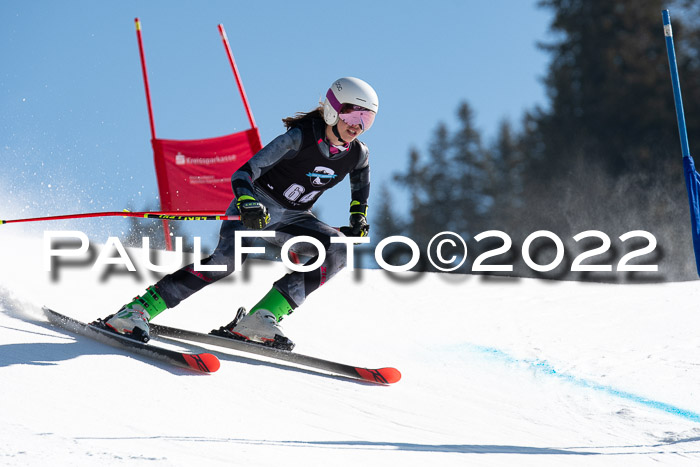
(203, 362)
(379, 375)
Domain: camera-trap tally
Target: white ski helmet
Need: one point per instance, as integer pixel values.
(348, 91)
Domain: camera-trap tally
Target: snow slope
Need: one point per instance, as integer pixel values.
(495, 372)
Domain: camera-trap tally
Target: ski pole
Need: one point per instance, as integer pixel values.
(168, 215)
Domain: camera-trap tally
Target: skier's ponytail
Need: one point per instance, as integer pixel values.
(295, 120)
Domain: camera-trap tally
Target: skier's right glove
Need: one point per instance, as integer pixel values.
(253, 213)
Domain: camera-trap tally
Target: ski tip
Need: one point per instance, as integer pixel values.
(204, 362)
(381, 375)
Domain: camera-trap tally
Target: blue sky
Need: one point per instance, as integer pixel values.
(74, 134)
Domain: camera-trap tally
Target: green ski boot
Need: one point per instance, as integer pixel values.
(261, 325)
(132, 319)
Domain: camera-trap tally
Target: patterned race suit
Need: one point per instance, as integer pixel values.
(288, 176)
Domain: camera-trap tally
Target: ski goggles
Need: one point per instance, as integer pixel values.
(357, 115)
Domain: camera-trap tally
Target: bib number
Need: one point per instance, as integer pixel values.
(295, 193)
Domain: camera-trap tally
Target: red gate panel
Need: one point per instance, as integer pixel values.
(195, 175)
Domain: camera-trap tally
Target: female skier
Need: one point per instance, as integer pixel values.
(275, 191)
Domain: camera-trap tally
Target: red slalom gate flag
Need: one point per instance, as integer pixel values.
(196, 174)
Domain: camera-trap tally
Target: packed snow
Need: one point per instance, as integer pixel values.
(496, 371)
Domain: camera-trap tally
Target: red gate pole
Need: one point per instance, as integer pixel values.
(227, 46)
(166, 225)
(145, 78)
(248, 112)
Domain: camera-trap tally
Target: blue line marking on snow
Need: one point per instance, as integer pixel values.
(544, 367)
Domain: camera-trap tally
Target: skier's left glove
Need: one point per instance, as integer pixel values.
(358, 227)
(358, 221)
(253, 213)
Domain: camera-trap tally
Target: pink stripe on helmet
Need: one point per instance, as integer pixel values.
(333, 101)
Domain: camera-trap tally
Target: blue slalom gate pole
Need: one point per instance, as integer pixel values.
(678, 99)
(692, 178)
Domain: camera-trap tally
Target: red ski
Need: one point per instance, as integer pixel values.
(201, 362)
(378, 375)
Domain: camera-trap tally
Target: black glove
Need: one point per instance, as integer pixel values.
(358, 226)
(253, 213)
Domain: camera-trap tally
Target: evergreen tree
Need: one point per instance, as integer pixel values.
(606, 150)
(608, 84)
(414, 181)
(448, 188)
(469, 167)
(385, 222)
(504, 181)
(603, 154)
